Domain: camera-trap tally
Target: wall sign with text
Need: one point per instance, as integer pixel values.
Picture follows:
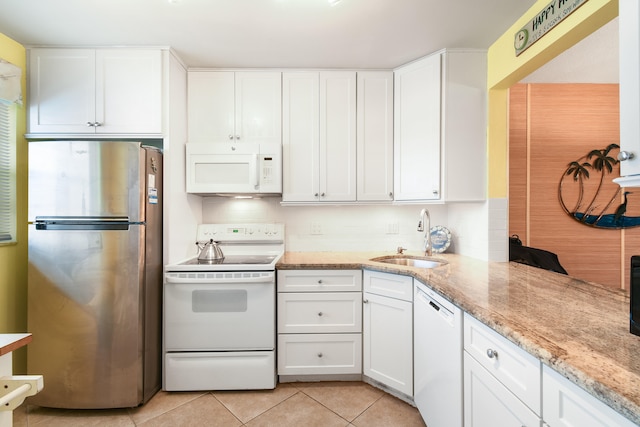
(543, 22)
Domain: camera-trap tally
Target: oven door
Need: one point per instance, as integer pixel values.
(223, 311)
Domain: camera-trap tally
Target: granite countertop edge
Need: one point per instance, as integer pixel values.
(506, 277)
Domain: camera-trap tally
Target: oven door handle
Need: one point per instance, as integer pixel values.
(217, 281)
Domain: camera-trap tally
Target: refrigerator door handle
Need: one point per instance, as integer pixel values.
(81, 223)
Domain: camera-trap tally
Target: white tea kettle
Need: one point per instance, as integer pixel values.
(209, 251)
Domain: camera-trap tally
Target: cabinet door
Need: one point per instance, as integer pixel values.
(387, 342)
(417, 130)
(258, 112)
(300, 139)
(337, 136)
(488, 403)
(566, 404)
(211, 106)
(61, 90)
(629, 86)
(128, 91)
(375, 136)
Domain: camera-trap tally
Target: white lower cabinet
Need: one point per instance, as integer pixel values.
(388, 330)
(488, 403)
(502, 382)
(566, 404)
(319, 322)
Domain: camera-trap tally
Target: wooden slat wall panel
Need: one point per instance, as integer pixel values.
(566, 121)
(518, 161)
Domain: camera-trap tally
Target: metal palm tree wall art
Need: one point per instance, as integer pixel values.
(591, 207)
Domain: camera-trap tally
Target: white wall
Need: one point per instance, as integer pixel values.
(182, 212)
(358, 227)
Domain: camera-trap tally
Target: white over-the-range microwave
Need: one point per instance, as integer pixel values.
(234, 168)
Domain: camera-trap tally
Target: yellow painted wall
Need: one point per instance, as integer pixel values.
(13, 257)
(505, 69)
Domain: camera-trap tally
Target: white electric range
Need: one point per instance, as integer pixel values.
(219, 315)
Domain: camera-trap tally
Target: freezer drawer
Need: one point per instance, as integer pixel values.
(220, 371)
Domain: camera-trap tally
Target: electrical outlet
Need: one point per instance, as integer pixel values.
(316, 228)
(393, 228)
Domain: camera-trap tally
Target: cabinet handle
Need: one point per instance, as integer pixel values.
(491, 353)
(320, 314)
(319, 355)
(625, 155)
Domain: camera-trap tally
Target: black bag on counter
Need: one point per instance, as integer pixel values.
(532, 256)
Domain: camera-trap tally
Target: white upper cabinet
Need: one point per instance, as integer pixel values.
(440, 128)
(417, 130)
(319, 136)
(95, 91)
(227, 106)
(375, 136)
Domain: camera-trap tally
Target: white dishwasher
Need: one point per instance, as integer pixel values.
(437, 328)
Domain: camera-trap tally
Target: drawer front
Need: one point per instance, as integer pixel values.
(319, 354)
(233, 370)
(389, 285)
(319, 280)
(320, 312)
(512, 366)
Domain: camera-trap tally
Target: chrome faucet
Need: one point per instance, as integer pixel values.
(424, 214)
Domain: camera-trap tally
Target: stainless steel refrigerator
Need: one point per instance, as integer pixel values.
(95, 272)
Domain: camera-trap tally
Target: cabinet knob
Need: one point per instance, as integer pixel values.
(315, 195)
(322, 195)
(230, 136)
(491, 353)
(365, 301)
(96, 124)
(625, 155)
(391, 195)
(320, 282)
(237, 136)
(320, 314)
(320, 355)
(90, 124)
(435, 192)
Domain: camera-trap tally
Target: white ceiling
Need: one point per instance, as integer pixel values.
(267, 33)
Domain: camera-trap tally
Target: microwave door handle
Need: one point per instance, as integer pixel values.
(256, 183)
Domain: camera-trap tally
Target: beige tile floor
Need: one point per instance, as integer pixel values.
(324, 404)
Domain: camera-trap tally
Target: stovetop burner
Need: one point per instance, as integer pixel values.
(233, 259)
(246, 247)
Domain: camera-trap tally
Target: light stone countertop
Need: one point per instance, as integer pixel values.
(579, 328)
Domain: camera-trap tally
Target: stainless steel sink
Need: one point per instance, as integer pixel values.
(411, 261)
